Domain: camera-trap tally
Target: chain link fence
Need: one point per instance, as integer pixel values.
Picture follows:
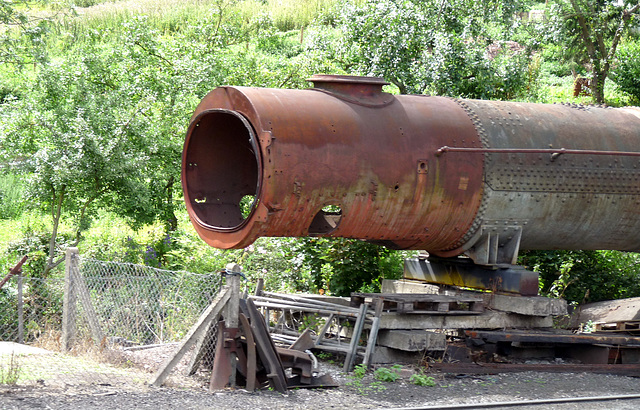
(102, 323)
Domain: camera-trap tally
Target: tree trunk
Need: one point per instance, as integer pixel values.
(169, 215)
(597, 86)
(56, 214)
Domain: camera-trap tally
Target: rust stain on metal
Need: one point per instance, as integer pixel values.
(346, 159)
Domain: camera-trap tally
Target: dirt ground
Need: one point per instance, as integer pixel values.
(66, 382)
(353, 393)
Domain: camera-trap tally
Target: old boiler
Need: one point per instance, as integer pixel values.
(449, 176)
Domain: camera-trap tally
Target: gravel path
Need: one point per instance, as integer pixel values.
(352, 394)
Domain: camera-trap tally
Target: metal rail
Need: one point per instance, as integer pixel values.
(528, 402)
(555, 152)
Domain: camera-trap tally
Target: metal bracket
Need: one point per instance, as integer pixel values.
(497, 245)
(463, 272)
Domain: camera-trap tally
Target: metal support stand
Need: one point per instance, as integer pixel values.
(465, 273)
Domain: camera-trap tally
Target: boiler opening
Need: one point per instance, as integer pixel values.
(222, 176)
(326, 220)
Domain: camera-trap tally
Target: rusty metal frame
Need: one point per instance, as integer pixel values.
(554, 152)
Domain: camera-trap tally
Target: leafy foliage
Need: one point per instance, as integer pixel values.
(11, 204)
(422, 380)
(22, 35)
(94, 129)
(341, 266)
(585, 276)
(626, 71)
(385, 374)
(591, 31)
(435, 47)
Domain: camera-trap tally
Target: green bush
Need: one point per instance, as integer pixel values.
(422, 380)
(341, 266)
(387, 375)
(626, 72)
(585, 276)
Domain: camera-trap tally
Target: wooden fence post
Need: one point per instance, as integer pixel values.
(20, 310)
(210, 315)
(69, 300)
(231, 314)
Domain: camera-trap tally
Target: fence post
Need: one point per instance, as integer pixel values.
(231, 315)
(69, 301)
(20, 311)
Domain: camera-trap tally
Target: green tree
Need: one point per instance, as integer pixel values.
(23, 34)
(591, 30)
(585, 276)
(626, 70)
(435, 46)
(101, 128)
(341, 266)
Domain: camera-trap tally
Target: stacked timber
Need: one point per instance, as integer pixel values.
(417, 317)
(403, 323)
(410, 320)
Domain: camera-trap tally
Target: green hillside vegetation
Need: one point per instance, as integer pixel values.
(95, 98)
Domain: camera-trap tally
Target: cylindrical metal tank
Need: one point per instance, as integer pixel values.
(449, 176)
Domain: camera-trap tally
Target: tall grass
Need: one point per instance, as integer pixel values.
(289, 14)
(11, 196)
(173, 15)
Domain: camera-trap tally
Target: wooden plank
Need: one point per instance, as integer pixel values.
(259, 287)
(487, 320)
(424, 303)
(231, 314)
(420, 297)
(204, 342)
(206, 318)
(548, 337)
(632, 326)
(524, 305)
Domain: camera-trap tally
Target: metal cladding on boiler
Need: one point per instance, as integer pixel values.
(449, 176)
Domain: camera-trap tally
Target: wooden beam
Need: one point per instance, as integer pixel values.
(69, 309)
(487, 320)
(209, 315)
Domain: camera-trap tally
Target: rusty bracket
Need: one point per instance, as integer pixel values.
(228, 354)
(16, 269)
(299, 362)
